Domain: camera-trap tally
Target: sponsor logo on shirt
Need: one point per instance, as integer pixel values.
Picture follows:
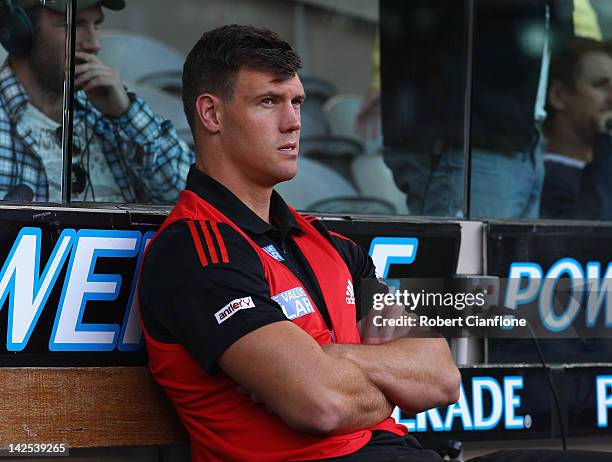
(233, 307)
(271, 250)
(350, 293)
(294, 302)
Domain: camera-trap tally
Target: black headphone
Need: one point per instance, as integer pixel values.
(16, 29)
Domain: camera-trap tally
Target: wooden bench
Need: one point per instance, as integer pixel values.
(86, 407)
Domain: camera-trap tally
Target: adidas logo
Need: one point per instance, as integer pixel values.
(350, 293)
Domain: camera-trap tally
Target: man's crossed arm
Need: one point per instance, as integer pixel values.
(340, 388)
(414, 373)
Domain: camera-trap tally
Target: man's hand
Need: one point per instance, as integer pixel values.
(391, 322)
(382, 326)
(102, 85)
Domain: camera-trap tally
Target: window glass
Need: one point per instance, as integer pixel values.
(577, 144)
(424, 51)
(535, 79)
(131, 141)
(510, 56)
(31, 102)
(340, 169)
(541, 95)
(389, 85)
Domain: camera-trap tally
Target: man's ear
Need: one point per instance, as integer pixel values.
(207, 108)
(556, 95)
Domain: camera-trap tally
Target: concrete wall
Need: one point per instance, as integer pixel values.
(335, 45)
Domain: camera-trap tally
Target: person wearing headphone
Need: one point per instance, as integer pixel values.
(122, 151)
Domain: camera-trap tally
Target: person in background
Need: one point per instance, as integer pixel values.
(424, 100)
(122, 151)
(578, 130)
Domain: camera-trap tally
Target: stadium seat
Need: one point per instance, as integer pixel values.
(317, 89)
(317, 188)
(341, 114)
(316, 140)
(362, 205)
(313, 183)
(141, 59)
(374, 179)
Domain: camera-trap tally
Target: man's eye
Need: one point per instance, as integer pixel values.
(267, 101)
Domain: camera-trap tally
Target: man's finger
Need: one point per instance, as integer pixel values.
(80, 68)
(87, 57)
(85, 77)
(88, 76)
(96, 82)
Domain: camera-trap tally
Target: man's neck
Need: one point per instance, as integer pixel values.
(255, 197)
(48, 103)
(567, 142)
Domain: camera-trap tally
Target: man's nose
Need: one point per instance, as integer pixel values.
(291, 120)
(89, 40)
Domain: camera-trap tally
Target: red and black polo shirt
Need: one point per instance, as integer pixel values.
(181, 270)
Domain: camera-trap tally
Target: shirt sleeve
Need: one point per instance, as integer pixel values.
(204, 294)
(153, 152)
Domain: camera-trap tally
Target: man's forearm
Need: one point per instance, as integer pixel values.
(414, 373)
(283, 368)
(358, 402)
(343, 399)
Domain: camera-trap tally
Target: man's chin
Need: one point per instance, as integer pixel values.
(286, 176)
(51, 85)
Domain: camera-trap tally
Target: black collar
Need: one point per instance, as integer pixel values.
(227, 203)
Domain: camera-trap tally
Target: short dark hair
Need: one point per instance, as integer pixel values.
(564, 66)
(213, 63)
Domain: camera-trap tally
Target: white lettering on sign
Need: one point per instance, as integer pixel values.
(70, 332)
(503, 399)
(29, 291)
(131, 330)
(604, 399)
(586, 287)
(386, 251)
